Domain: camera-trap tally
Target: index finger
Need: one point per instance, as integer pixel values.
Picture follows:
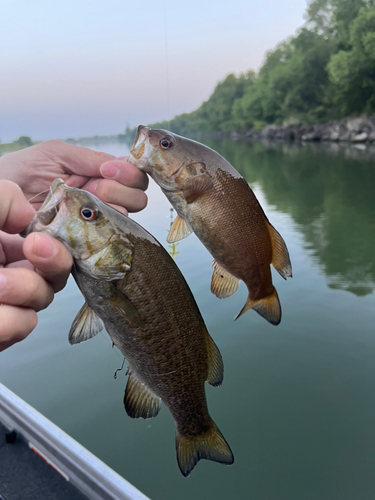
(76, 159)
(125, 173)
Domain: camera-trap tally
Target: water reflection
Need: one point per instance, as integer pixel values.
(331, 198)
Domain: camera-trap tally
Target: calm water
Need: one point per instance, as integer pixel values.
(297, 405)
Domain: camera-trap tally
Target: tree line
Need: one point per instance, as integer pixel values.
(325, 72)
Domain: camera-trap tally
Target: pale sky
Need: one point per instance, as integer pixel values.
(71, 68)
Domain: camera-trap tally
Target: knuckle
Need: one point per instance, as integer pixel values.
(103, 191)
(50, 144)
(141, 201)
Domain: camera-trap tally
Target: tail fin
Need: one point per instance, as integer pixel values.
(210, 445)
(269, 308)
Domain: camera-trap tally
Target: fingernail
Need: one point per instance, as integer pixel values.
(93, 187)
(44, 247)
(109, 170)
(3, 281)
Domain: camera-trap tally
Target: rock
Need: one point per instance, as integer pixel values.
(354, 130)
(356, 124)
(359, 137)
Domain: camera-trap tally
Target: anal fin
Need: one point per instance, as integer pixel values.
(139, 400)
(280, 255)
(215, 363)
(180, 229)
(85, 325)
(223, 284)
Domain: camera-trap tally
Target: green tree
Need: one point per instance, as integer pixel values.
(353, 71)
(24, 141)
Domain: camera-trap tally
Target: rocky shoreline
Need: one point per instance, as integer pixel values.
(354, 130)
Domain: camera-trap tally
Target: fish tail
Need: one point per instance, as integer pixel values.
(210, 445)
(269, 308)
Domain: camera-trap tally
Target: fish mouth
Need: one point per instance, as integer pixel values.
(141, 151)
(46, 214)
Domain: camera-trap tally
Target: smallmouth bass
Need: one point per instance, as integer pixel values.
(132, 285)
(212, 199)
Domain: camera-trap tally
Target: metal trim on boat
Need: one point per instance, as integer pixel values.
(73, 461)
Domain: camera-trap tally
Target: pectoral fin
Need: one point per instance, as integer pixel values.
(223, 284)
(180, 229)
(196, 186)
(123, 306)
(280, 254)
(139, 400)
(215, 363)
(85, 326)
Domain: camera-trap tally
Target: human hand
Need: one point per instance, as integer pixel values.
(114, 181)
(26, 286)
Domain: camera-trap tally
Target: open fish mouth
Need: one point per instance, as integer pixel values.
(47, 212)
(142, 149)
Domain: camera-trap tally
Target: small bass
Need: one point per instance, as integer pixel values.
(213, 200)
(132, 285)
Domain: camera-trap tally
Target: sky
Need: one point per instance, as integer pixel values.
(73, 68)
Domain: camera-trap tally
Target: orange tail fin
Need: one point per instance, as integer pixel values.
(269, 308)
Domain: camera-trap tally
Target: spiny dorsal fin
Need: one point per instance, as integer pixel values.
(215, 363)
(280, 254)
(85, 325)
(120, 302)
(269, 308)
(139, 400)
(196, 186)
(210, 445)
(223, 284)
(180, 229)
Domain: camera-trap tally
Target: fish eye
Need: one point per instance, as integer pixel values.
(166, 143)
(88, 213)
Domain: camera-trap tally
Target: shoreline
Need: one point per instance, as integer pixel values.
(352, 130)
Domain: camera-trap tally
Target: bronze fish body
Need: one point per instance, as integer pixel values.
(212, 199)
(131, 283)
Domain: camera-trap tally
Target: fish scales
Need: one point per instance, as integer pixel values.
(149, 313)
(206, 216)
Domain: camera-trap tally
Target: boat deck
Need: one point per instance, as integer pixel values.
(24, 475)
(38, 461)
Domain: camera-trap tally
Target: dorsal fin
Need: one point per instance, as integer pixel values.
(223, 284)
(280, 254)
(85, 325)
(180, 229)
(139, 400)
(215, 362)
(196, 186)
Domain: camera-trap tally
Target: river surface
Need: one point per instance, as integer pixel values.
(297, 405)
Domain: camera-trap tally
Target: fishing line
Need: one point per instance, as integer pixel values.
(110, 343)
(42, 192)
(167, 64)
(119, 369)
